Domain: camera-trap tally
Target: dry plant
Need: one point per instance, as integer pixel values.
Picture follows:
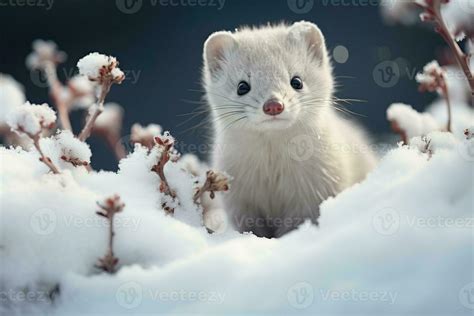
(165, 145)
(31, 120)
(105, 75)
(433, 79)
(108, 209)
(432, 13)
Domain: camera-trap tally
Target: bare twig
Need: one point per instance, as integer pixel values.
(166, 143)
(111, 206)
(55, 91)
(113, 141)
(46, 160)
(433, 79)
(448, 105)
(104, 90)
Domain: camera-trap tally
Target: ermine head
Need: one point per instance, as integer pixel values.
(267, 78)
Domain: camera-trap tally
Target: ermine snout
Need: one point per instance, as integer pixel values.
(273, 107)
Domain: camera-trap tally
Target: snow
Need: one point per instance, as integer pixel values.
(457, 14)
(411, 121)
(383, 246)
(457, 84)
(462, 115)
(71, 148)
(117, 73)
(92, 64)
(31, 118)
(459, 18)
(149, 131)
(11, 96)
(432, 72)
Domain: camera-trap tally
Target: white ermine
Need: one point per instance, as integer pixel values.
(276, 130)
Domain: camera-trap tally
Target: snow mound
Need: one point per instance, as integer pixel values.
(400, 241)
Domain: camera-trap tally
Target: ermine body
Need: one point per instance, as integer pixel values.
(276, 130)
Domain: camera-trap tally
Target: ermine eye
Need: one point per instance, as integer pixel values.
(297, 83)
(243, 88)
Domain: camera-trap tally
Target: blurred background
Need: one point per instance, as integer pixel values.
(159, 46)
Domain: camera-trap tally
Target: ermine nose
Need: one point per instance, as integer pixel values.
(273, 107)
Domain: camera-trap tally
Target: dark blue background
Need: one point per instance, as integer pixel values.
(164, 45)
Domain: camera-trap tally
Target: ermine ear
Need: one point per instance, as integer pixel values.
(309, 34)
(215, 49)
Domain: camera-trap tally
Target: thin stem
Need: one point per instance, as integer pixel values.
(114, 143)
(448, 105)
(111, 236)
(459, 55)
(202, 190)
(86, 131)
(112, 206)
(398, 130)
(159, 169)
(46, 160)
(55, 91)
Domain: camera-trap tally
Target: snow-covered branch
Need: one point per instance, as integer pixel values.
(409, 123)
(103, 70)
(432, 13)
(31, 120)
(433, 79)
(165, 145)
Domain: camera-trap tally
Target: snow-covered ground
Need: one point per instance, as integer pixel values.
(401, 242)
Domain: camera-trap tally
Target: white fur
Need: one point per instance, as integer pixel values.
(275, 189)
